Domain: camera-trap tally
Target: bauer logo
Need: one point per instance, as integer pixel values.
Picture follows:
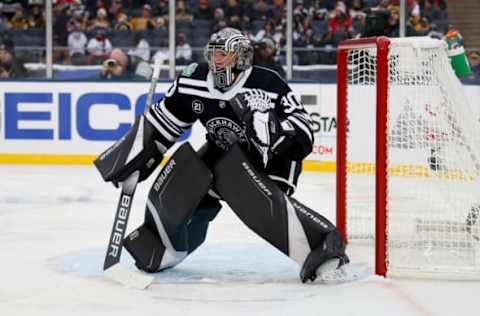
(119, 226)
(164, 174)
(256, 179)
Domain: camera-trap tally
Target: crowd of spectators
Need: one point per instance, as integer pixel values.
(89, 32)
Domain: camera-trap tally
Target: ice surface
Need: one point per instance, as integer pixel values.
(54, 226)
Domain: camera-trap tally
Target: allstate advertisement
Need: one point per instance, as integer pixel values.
(73, 119)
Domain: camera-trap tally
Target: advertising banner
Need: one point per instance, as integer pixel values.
(72, 122)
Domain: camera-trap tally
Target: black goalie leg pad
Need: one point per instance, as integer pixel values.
(198, 224)
(324, 239)
(174, 196)
(254, 198)
(293, 228)
(146, 248)
(176, 193)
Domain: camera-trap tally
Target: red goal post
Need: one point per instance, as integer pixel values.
(381, 44)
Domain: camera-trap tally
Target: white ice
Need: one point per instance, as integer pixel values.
(54, 226)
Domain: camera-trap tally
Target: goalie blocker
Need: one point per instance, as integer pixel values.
(174, 227)
(133, 152)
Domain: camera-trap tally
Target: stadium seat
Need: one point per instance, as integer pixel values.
(29, 37)
(257, 25)
(136, 12)
(29, 44)
(201, 35)
(121, 38)
(442, 24)
(215, 3)
(157, 38)
(202, 24)
(199, 41)
(197, 55)
(369, 3)
(183, 27)
(36, 32)
(320, 27)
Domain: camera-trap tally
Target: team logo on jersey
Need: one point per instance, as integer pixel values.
(197, 106)
(225, 132)
(221, 104)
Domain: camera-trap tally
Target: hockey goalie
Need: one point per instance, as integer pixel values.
(258, 133)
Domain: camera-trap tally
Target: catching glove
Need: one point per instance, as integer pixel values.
(264, 129)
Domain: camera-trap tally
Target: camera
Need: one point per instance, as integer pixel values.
(110, 63)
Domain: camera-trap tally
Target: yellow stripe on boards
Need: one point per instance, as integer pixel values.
(49, 159)
(46, 159)
(419, 171)
(53, 159)
(319, 166)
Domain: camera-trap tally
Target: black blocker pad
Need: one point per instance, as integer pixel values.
(180, 186)
(256, 199)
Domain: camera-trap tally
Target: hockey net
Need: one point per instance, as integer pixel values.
(408, 158)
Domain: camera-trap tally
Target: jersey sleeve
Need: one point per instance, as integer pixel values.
(170, 116)
(289, 108)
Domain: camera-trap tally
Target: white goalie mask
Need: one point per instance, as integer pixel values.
(228, 53)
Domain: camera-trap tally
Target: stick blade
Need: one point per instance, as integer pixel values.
(132, 279)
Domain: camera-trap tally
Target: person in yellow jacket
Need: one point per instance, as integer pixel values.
(145, 21)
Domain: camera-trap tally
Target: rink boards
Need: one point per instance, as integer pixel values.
(72, 122)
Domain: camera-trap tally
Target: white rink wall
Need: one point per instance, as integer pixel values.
(72, 122)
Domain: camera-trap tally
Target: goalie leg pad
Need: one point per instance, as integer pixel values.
(261, 204)
(146, 248)
(316, 226)
(175, 194)
(184, 174)
(324, 240)
(198, 224)
(284, 222)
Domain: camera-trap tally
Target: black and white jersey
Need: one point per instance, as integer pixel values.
(193, 97)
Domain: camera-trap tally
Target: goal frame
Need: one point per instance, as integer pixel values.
(382, 45)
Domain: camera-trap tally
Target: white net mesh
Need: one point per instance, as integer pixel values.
(433, 194)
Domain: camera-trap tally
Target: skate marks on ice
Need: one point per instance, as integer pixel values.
(215, 264)
(210, 264)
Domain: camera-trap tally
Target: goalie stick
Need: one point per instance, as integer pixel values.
(112, 268)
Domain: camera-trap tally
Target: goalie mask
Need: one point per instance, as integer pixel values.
(228, 53)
